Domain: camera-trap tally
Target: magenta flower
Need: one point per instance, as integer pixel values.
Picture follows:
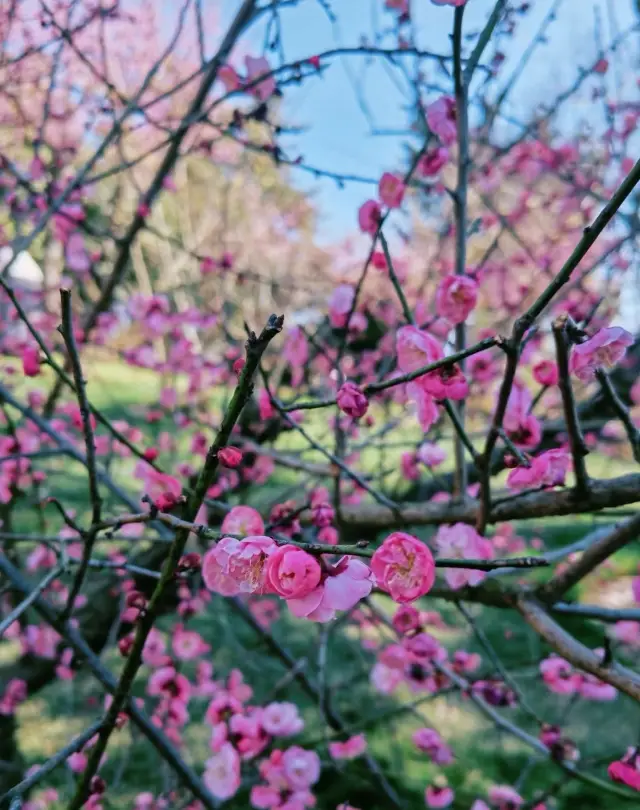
(351, 400)
(350, 749)
(431, 743)
(460, 542)
(391, 189)
(432, 161)
(369, 216)
(292, 573)
(456, 297)
(437, 797)
(559, 675)
(626, 770)
(31, 361)
(342, 587)
(442, 119)
(416, 348)
(546, 470)
(404, 567)
(426, 407)
(545, 372)
(446, 382)
(242, 520)
(604, 350)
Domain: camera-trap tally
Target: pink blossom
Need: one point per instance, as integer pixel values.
(404, 567)
(628, 632)
(391, 190)
(351, 400)
(246, 563)
(386, 679)
(432, 161)
(77, 761)
(431, 455)
(438, 796)
(504, 797)
(154, 650)
(416, 349)
(431, 743)
(76, 256)
(456, 297)
(342, 587)
(340, 305)
(427, 409)
(604, 350)
(301, 768)
(164, 490)
(188, 644)
(222, 772)
(258, 66)
(281, 719)
(441, 119)
(215, 568)
(446, 382)
(292, 573)
(546, 470)
(230, 457)
(559, 675)
(229, 78)
(369, 216)
(14, 694)
(460, 542)
(626, 771)
(545, 372)
(405, 619)
(242, 520)
(168, 682)
(31, 361)
(350, 749)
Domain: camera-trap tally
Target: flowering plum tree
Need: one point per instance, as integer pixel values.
(256, 552)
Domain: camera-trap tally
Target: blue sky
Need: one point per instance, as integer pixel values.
(339, 134)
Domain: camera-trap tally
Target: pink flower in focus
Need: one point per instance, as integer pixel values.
(340, 304)
(301, 768)
(391, 190)
(350, 749)
(281, 719)
(432, 161)
(31, 361)
(351, 400)
(222, 772)
(460, 542)
(546, 470)
(441, 119)
(242, 520)
(446, 382)
(247, 562)
(404, 567)
(215, 568)
(604, 350)
(292, 573)
(342, 587)
(438, 796)
(416, 348)
(369, 216)
(456, 297)
(545, 372)
(257, 67)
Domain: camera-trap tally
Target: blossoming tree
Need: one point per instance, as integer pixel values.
(278, 546)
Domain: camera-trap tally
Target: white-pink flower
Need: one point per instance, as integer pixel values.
(604, 350)
(222, 772)
(460, 542)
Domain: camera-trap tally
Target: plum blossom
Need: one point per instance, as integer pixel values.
(431, 455)
(164, 490)
(242, 520)
(437, 797)
(456, 297)
(426, 407)
(351, 400)
(369, 216)
(441, 119)
(431, 743)
(222, 772)
(31, 361)
(505, 797)
(350, 749)
(462, 541)
(604, 350)
(549, 469)
(301, 768)
(446, 382)
(342, 586)
(432, 161)
(292, 573)
(404, 567)
(416, 348)
(391, 190)
(545, 372)
(281, 719)
(626, 770)
(340, 304)
(258, 66)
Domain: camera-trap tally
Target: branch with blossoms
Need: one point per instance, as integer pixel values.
(371, 506)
